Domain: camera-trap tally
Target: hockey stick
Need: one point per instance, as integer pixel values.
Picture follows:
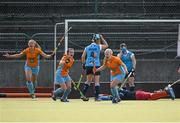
(75, 87)
(80, 79)
(175, 82)
(124, 82)
(62, 38)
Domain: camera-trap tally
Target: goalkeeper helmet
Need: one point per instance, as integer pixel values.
(123, 45)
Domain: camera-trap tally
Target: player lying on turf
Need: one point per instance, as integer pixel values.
(63, 80)
(118, 72)
(142, 95)
(31, 67)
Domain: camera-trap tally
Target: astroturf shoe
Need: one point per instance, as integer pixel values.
(84, 98)
(64, 100)
(119, 99)
(53, 96)
(170, 91)
(114, 100)
(33, 96)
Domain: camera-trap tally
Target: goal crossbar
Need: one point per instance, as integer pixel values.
(67, 21)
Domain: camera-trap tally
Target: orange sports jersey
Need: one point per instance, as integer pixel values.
(68, 64)
(114, 64)
(32, 57)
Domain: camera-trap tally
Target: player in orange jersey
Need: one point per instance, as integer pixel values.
(32, 63)
(118, 72)
(62, 76)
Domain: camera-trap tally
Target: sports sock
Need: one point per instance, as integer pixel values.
(66, 93)
(97, 90)
(85, 89)
(58, 91)
(35, 85)
(117, 93)
(30, 87)
(114, 92)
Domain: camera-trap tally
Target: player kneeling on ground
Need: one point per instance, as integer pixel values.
(62, 78)
(118, 72)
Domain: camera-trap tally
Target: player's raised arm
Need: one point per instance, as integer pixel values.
(46, 55)
(7, 55)
(63, 60)
(104, 43)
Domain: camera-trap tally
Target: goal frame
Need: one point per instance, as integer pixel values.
(67, 21)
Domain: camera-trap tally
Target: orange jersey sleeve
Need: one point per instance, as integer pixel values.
(114, 64)
(67, 65)
(32, 57)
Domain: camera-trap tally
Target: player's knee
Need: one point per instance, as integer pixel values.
(63, 87)
(112, 85)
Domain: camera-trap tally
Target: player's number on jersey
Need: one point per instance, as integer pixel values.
(93, 55)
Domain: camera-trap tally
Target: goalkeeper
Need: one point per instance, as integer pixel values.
(142, 95)
(129, 60)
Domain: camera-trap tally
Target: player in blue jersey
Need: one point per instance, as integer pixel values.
(129, 60)
(91, 60)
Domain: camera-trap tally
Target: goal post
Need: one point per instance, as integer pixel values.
(55, 44)
(178, 43)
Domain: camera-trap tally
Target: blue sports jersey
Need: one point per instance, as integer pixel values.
(126, 58)
(93, 54)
